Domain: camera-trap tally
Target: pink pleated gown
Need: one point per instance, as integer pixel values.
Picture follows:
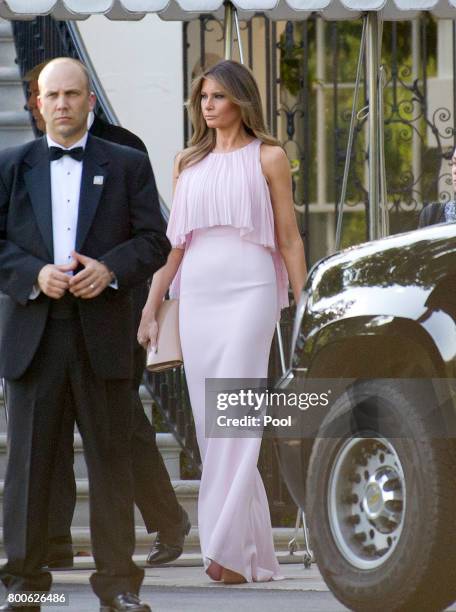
(231, 286)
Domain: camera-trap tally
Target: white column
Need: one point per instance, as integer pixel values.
(444, 52)
(373, 126)
(321, 114)
(444, 93)
(330, 231)
(416, 142)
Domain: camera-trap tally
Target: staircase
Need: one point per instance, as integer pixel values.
(15, 125)
(186, 490)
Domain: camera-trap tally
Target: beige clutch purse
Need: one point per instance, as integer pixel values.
(169, 352)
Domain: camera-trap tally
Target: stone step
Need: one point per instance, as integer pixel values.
(192, 551)
(20, 119)
(6, 31)
(10, 137)
(10, 74)
(169, 449)
(144, 540)
(7, 46)
(186, 492)
(12, 96)
(15, 125)
(7, 51)
(6, 34)
(16, 119)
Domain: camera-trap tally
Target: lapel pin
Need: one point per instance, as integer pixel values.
(98, 180)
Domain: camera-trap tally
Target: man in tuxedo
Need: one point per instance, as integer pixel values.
(153, 491)
(79, 228)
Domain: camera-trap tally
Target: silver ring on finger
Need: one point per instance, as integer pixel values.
(92, 286)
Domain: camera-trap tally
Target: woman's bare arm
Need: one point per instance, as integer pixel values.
(276, 169)
(148, 329)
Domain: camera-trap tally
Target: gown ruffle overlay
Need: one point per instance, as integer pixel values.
(231, 286)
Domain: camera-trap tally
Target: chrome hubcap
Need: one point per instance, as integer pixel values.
(366, 501)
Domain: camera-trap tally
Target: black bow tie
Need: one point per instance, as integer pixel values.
(57, 152)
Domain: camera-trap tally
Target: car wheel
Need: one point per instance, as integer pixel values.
(381, 501)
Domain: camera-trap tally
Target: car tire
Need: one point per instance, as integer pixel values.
(381, 500)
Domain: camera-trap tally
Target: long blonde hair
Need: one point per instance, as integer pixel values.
(239, 85)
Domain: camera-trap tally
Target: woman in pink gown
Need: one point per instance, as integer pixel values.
(235, 243)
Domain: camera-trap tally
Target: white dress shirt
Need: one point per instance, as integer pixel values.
(66, 174)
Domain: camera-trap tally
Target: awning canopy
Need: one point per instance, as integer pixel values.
(184, 10)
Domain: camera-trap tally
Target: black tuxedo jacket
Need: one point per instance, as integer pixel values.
(120, 135)
(119, 223)
(117, 134)
(432, 213)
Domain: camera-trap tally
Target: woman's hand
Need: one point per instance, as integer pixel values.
(148, 332)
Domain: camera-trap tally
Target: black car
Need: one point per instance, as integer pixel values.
(375, 468)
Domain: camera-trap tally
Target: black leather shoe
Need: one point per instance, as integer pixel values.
(169, 547)
(60, 553)
(9, 607)
(125, 602)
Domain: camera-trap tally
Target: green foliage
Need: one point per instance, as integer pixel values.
(354, 228)
(403, 109)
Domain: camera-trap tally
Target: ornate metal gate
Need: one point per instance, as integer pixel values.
(306, 72)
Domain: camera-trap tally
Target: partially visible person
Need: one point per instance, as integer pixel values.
(154, 493)
(31, 78)
(79, 228)
(234, 235)
(96, 125)
(440, 212)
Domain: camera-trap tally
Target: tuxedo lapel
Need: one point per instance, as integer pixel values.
(38, 183)
(94, 173)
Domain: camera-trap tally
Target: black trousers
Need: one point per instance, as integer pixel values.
(60, 378)
(153, 492)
